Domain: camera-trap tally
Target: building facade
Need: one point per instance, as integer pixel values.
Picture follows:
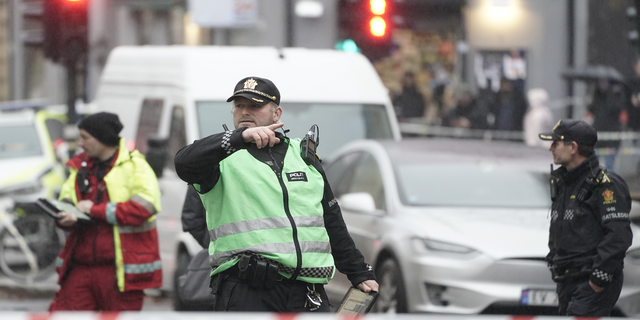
(447, 43)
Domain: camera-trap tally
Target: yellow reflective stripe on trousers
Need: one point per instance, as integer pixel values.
(283, 248)
(264, 224)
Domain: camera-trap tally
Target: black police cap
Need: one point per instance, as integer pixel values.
(259, 90)
(572, 130)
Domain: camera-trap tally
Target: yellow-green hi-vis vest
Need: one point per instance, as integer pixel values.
(252, 209)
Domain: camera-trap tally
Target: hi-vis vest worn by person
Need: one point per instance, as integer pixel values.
(137, 256)
(272, 211)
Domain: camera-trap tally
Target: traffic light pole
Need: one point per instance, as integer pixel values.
(637, 19)
(72, 92)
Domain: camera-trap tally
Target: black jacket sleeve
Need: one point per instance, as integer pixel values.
(612, 204)
(198, 163)
(348, 258)
(194, 219)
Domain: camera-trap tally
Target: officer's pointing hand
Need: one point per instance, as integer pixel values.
(262, 136)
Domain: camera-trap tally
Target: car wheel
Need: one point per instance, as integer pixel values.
(392, 298)
(182, 262)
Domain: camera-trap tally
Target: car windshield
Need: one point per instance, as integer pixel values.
(472, 185)
(19, 141)
(338, 122)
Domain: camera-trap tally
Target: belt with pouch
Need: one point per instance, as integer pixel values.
(253, 269)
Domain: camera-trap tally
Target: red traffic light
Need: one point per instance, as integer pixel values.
(378, 26)
(378, 7)
(378, 23)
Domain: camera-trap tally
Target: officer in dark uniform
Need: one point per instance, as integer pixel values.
(590, 228)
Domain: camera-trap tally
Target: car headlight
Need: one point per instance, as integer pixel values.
(435, 245)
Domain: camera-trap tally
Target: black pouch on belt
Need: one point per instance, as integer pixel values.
(272, 275)
(243, 266)
(259, 274)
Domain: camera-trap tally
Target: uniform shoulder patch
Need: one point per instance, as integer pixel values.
(607, 196)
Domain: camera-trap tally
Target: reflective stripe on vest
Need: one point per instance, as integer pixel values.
(262, 224)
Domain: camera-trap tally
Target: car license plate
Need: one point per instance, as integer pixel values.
(539, 297)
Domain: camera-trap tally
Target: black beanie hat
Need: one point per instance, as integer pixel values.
(103, 126)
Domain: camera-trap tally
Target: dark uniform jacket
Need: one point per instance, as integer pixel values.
(199, 163)
(594, 234)
(194, 218)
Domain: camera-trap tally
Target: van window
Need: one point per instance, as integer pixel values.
(149, 122)
(177, 133)
(339, 123)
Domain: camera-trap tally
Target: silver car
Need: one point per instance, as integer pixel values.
(455, 226)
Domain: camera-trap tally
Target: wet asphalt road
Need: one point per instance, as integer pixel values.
(36, 297)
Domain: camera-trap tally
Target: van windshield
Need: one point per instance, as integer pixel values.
(339, 123)
(19, 141)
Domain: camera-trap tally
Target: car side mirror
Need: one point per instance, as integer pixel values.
(157, 154)
(357, 201)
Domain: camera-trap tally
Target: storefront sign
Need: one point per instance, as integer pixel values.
(224, 13)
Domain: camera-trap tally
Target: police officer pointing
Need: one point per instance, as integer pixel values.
(277, 233)
(590, 228)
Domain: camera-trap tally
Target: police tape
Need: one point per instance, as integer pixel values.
(172, 315)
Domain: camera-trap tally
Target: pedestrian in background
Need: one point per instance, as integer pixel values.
(607, 102)
(469, 112)
(590, 228)
(538, 118)
(109, 260)
(409, 103)
(633, 105)
(509, 107)
(276, 229)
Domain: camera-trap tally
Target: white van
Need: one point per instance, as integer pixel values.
(180, 93)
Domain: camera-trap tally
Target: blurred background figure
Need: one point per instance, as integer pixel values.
(409, 103)
(509, 107)
(633, 106)
(515, 69)
(604, 109)
(538, 118)
(469, 112)
(440, 82)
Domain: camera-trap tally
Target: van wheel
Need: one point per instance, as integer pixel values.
(392, 298)
(182, 262)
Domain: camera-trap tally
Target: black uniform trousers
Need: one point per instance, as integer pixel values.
(285, 296)
(577, 298)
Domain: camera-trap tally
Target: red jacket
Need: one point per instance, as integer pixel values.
(122, 230)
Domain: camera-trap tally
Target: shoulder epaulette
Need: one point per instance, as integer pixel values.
(602, 176)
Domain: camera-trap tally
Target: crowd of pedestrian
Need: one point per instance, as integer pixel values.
(612, 105)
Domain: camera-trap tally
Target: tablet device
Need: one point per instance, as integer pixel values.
(52, 207)
(356, 302)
